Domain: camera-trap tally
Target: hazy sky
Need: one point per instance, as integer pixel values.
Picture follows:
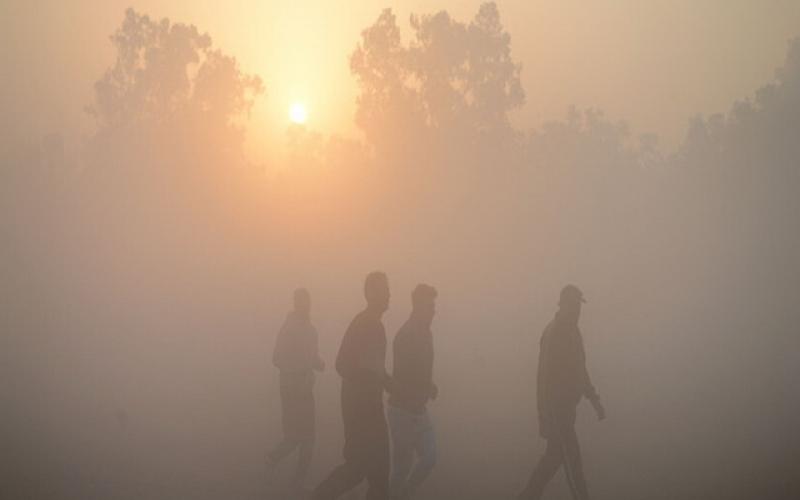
(653, 63)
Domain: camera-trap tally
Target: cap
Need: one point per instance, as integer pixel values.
(571, 294)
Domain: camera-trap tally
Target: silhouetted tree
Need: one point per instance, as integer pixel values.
(746, 159)
(744, 164)
(754, 130)
(586, 139)
(466, 73)
(452, 80)
(387, 105)
(167, 79)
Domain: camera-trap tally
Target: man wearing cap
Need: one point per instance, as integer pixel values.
(562, 382)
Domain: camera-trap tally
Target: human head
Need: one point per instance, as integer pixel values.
(571, 300)
(376, 291)
(423, 302)
(302, 301)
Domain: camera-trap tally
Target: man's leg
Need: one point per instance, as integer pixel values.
(306, 450)
(288, 411)
(425, 446)
(545, 470)
(306, 428)
(573, 465)
(402, 432)
(377, 465)
(348, 475)
(286, 446)
(343, 478)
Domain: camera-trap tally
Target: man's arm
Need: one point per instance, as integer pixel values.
(544, 383)
(543, 380)
(588, 388)
(351, 362)
(277, 351)
(319, 364)
(397, 382)
(434, 389)
(347, 358)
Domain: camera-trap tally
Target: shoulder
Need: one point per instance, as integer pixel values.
(358, 319)
(401, 337)
(286, 325)
(359, 323)
(548, 331)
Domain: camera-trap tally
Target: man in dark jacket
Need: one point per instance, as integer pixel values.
(562, 382)
(296, 355)
(412, 387)
(361, 362)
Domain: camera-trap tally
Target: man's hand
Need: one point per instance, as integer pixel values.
(598, 408)
(434, 391)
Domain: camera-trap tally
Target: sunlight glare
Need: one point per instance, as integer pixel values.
(298, 113)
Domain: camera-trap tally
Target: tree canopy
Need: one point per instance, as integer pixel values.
(452, 79)
(169, 75)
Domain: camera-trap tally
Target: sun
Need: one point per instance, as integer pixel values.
(298, 113)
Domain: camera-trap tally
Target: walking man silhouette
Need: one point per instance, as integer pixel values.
(412, 387)
(562, 382)
(361, 362)
(296, 355)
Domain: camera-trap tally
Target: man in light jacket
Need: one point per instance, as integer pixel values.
(296, 355)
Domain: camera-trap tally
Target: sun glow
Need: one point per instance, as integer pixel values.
(298, 113)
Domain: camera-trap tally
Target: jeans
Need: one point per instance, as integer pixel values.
(412, 434)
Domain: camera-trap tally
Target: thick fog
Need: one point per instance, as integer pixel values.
(147, 269)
